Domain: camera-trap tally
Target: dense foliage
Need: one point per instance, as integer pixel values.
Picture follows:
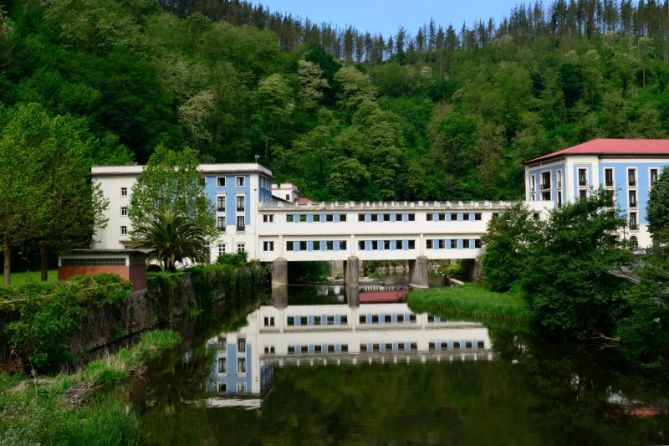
(443, 114)
(42, 317)
(566, 266)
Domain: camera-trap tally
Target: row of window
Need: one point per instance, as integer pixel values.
(222, 223)
(325, 348)
(315, 245)
(583, 183)
(452, 244)
(223, 365)
(240, 181)
(316, 218)
(455, 345)
(241, 388)
(292, 321)
(240, 202)
(372, 319)
(222, 248)
(453, 216)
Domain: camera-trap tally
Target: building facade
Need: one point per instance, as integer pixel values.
(626, 168)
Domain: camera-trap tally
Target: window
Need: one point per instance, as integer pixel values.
(329, 245)
(222, 365)
(220, 224)
(269, 321)
(386, 245)
(221, 249)
(268, 246)
(290, 218)
(343, 319)
(124, 230)
(608, 177)
(454, 244)
(477, 243)
(316, 218)
(375, 245)
(342, 217)
(583, 177)
(465, 243)
(634, 243)
(653, 177)
(361, 245)
(533, 186)
(287, 197)
(632, 220)
(241, 345)
(430, 217)
(241, 365)
(442, 217)
(220, 203)
(240, 223)
(545, 180)
(222, 387)
(631, 177)
(303, 218)
(361, 217)
(124, 191)
(240, 181)
(268, 218)
(632, 199)
(477, 216)
(465, 217)
(220, 181)
(241, 203)
(412, 244)
(290, 246)
(291, 320)
(429, 244)
(124, 211)
(241, 247)
(559, 179)
(269, 350)
(411, 217)
(373, 217)
(342, 245)
(329, 217)
(303, 245)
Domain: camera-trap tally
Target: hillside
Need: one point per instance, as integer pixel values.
(346, 115)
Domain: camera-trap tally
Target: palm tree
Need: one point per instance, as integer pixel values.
(172, 238)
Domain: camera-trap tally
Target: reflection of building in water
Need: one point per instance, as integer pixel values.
(336, 334)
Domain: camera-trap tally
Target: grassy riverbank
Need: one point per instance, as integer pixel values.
(82, 408)
(470, 302)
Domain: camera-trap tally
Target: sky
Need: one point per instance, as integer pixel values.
(386, 16)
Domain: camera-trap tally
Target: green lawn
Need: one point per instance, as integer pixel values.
(32, 276)
(470, 302)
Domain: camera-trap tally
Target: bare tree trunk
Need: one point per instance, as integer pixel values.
(7, 254)
(44, 262)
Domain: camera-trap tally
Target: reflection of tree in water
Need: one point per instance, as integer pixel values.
(554, 395)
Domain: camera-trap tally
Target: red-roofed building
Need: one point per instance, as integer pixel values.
(626, 167)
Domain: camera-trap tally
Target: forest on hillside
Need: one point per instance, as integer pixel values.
(441, 113)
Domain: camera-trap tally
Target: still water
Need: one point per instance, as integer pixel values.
(378, 374)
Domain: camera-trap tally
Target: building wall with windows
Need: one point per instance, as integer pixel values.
(628, 173)
(235, 191)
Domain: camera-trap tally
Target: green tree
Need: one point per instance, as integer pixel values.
(172, 182)
(507, 247)
(658, 209)
(570, 285)
(172, 238)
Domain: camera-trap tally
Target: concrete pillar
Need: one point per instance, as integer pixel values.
(418, 273)
(352, 280)
(352, 271)
(280, 283)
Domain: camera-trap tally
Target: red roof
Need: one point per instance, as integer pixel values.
(303, 201)
(613, 147)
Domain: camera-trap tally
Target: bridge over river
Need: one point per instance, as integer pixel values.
(351, 232)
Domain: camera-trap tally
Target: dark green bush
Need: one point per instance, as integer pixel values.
(47, 314)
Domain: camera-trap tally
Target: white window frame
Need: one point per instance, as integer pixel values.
(613, 178)
(124, 230)
(241, 247)
(221, 181)
(650, 181)
(243, 197)
(550, 185)
(218, 199)
(268, 246)
(221, 249)
(124, 191)
(636, 177)
(124, 211)
(218, 225)
(239, 183)
(268, 218)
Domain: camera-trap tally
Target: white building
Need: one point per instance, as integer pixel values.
(627, 168)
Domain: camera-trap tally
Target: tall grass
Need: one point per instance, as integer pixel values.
(41, 411)
(470, 302)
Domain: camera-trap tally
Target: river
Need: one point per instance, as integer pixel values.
(320, 373)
